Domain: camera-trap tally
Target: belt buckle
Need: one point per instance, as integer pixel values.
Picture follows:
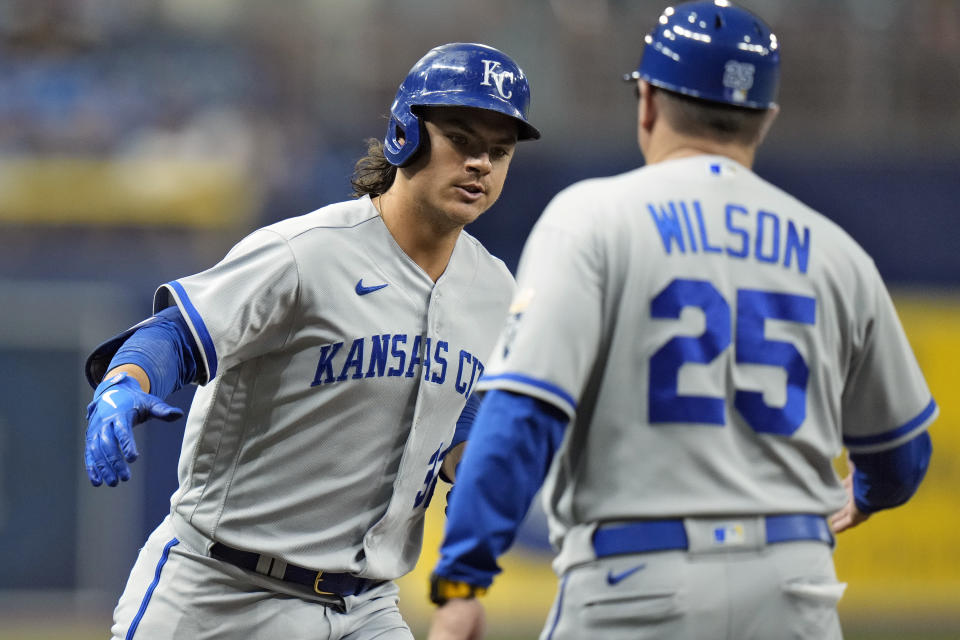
(316, 586)
(725, 534)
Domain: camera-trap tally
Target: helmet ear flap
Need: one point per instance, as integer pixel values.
(402, 139)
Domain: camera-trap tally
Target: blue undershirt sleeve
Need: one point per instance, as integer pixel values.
(889, 478)
(165, 350)
(464, 424)
(511, 447)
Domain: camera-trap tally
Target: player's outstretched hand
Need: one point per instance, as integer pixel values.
(118, 404)
(458, 619)
(849, 516)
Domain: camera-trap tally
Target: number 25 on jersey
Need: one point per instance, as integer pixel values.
(754, 307)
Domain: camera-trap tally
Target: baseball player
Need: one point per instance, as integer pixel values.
(337, 354)
(688, 351)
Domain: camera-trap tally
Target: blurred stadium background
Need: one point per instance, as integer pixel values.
(140, 139)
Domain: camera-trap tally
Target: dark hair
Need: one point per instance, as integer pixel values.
(373, 174)
(715, 120)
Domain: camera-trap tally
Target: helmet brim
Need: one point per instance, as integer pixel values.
(525, 130)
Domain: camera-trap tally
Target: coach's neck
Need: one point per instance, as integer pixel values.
(660, 141)
(668, 145)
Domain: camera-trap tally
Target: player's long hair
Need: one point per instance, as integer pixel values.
(373, 174)
(722, 122)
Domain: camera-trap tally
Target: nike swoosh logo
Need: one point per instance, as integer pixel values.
(362, 290)
(106, 398)
(614, 578)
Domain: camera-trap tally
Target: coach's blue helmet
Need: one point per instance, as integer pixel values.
(456, 75)
(713, 51)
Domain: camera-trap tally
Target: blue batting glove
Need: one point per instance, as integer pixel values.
(118, 404)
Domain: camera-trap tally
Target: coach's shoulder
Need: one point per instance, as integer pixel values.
(583, 206)
(599, 186)
(593, 191)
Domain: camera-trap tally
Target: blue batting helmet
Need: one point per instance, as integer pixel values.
(714, 51)
(456, 75)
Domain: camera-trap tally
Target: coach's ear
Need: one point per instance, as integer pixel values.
(768, 119)
(646, 106)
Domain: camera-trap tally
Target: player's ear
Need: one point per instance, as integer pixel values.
(768, 119)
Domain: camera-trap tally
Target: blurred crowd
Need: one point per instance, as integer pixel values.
(287, 90)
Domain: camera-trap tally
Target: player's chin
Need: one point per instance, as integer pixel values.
(466, 211)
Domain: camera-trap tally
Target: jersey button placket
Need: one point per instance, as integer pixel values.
(433, 314)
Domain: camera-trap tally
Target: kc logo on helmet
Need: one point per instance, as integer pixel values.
(490, 73)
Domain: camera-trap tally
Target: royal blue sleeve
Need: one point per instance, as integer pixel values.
(464, 424)
(889, 478)
(511, 447)
(164, 349)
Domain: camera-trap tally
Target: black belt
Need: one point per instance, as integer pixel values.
(646, 536)
(320, 582)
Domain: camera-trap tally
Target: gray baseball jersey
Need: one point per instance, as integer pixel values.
(714, 341)
(335, 371)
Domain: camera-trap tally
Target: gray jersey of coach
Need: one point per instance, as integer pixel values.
(335, 371)
(587, 324)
